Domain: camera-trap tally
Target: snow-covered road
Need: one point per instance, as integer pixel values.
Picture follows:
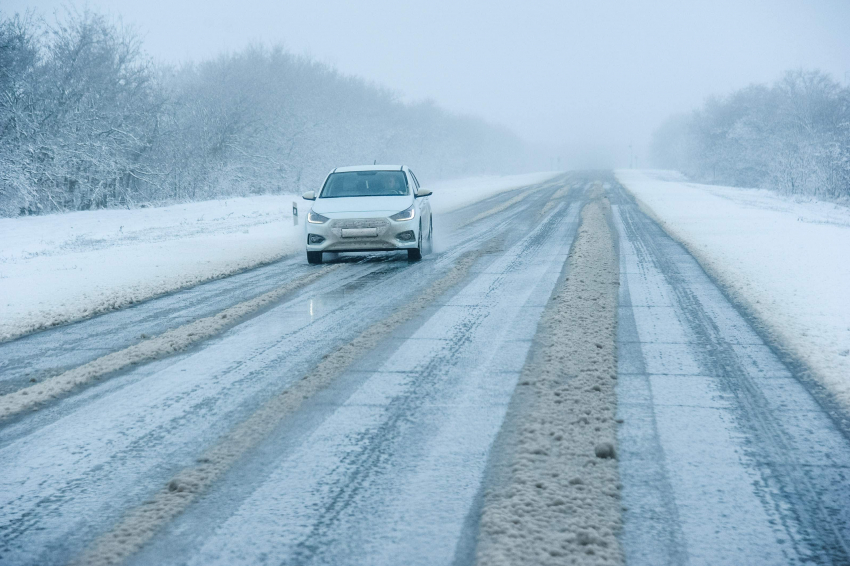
(73, 469)
(351, 420)
(725, 457)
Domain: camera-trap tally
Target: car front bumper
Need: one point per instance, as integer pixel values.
(362, 235)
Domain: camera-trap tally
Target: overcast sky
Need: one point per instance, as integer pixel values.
(583, 78)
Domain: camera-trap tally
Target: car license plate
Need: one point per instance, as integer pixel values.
(359, 232)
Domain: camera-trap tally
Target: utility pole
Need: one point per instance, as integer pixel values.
(631, 157)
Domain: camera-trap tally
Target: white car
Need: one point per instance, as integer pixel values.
(366, 209)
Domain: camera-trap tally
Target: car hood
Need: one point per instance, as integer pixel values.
(348, 207)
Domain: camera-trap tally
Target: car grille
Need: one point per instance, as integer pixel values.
(380, 224)
(360, 223)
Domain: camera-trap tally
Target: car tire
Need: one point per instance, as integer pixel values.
(415, 254)
(314, 257)
(427, 244)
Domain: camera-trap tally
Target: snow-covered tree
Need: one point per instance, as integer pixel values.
(88, 120)
(793, 136)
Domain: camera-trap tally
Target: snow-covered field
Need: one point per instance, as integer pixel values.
(786, 260)
(64, 267)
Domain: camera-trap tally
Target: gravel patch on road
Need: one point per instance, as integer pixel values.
(141, 523)
(553, 490)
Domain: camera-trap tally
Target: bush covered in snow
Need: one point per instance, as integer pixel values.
(87, 120)
(793, 136)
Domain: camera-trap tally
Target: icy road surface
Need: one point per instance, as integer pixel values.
(725, 457)
(351, 421)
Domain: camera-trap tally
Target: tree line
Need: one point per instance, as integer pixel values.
(792, 136)
(88, 120)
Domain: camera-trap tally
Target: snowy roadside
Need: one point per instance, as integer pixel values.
(784, 260)
(60, 268)
(65, 267)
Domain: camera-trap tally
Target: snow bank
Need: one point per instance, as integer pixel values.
(457, 193)
(64, 267)
(785, 260)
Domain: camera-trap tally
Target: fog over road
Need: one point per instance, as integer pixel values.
(352, 420)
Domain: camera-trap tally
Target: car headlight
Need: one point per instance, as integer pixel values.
(406, 214)
(316, 218)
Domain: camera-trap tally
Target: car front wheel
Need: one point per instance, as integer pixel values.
(314, 257)
(415, 254)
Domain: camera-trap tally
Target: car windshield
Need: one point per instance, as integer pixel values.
(365, 184)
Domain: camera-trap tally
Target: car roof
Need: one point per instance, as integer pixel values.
(369, 168)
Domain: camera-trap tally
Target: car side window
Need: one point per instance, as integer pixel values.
(415, 180)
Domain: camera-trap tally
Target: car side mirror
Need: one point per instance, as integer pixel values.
(423, 193)
(309, 195)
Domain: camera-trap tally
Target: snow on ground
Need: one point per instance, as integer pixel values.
(786, 260)
(64, 267)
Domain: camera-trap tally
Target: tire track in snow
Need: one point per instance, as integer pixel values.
(141, 523)
(165, 344)
(559, 194)
(787, 452)
(177, 339)
(45, 354)
(504, 206)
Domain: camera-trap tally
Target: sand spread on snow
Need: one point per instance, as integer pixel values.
(504, 206)
(556, 198)
(167, 343)
(553, 495)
